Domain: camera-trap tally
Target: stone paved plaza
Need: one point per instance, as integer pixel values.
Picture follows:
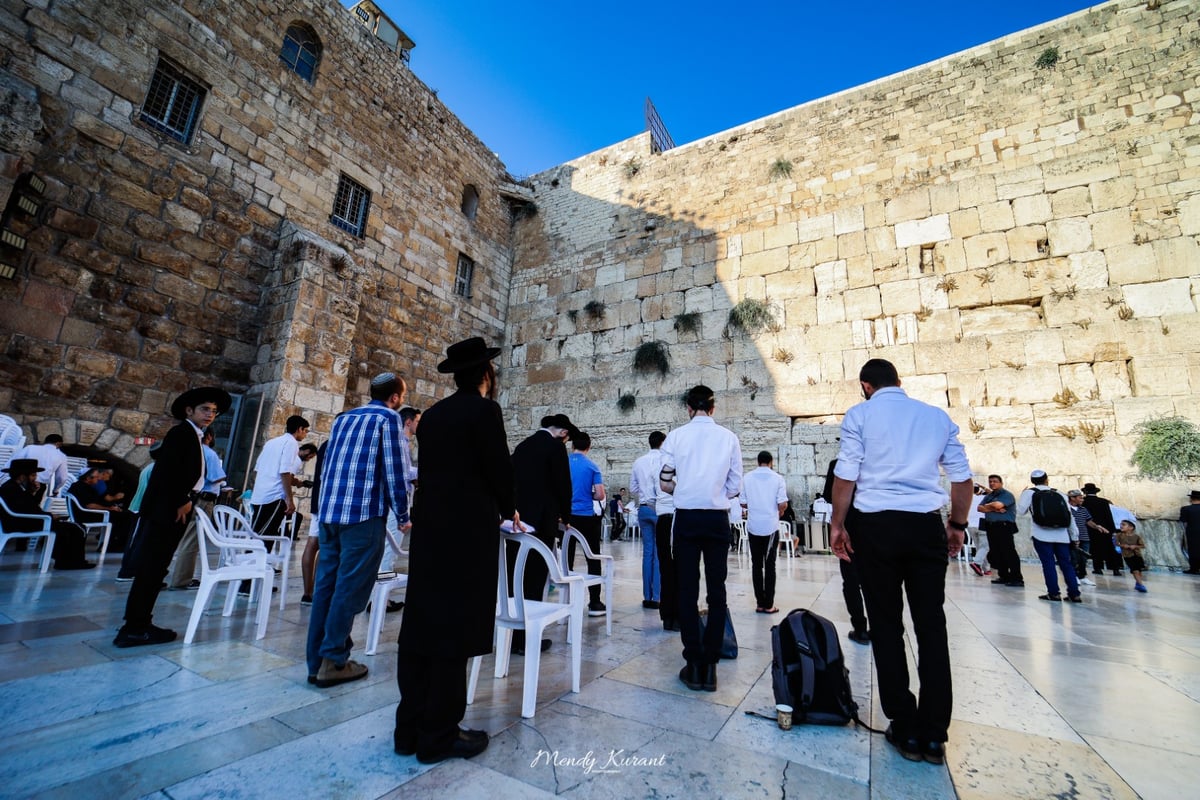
(1097, 700)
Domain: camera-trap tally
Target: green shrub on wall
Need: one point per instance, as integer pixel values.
(750, 317)
(652, 357)
(1167, 448)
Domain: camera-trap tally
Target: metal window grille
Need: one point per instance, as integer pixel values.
(301, 51)
(350, 206)
(464, 276)
(173, 102)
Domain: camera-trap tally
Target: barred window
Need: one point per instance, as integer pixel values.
(173, 102)
(464, 276)
(301, 51)
(350, 206)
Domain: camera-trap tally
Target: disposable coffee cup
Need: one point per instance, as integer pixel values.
(783, 715)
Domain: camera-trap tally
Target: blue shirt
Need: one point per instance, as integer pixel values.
(214, 472)
(1001, 495)
(584, 475)
(891, 448)
(362, 475)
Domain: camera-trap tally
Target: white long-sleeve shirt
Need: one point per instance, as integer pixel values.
(708, 464)
(1061, 535)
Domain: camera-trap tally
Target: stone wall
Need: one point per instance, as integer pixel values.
(155, 266)
(1020, 240)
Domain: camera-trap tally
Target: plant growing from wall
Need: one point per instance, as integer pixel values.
(1167, 448)
(923, 313)
(1048, 58)
(651, 357)
(750, 317)
(752, 385)
(632, 167)
(594, 309)
(782, 168)
(947, 284)
(783, 355)
(626, 402)
(687, 322)
(1066, 398)
(573, 315)
(1124, 312)
(1066, 430)
(975, 425)
(1092, 434)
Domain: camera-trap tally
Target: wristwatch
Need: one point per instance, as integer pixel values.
(958, 526)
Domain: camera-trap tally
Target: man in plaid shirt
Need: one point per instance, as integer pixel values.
(362, 477)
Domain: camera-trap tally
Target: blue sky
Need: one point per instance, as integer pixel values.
(544, 82)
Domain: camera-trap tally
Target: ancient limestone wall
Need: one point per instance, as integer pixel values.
(1020, 240)
(155, 266)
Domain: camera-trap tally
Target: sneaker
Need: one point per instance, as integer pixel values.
(1140, 587)
(332, 674)
(978, 570)
(123, 579)
(1016, 584)
(1086, 582)
(151, 635)
(597, 609)
(649, 604)
(306, 599)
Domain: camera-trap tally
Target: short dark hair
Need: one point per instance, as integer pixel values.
(656, 439)
(997, 477)
(387, 388)
(879, 372)
(1040, 481)
(53, 438)
(408, 414)
(581, 441)
(700, 398)
(309, 447)
(471, 377)
(547, 421)
(765, 457)
(295, 422)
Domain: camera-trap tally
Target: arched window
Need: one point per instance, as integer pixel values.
(470, 201)
(301, 51)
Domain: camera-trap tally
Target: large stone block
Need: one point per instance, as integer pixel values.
(996, 216)
(1032, 210)
(1111, 228)
(1132, 411)
(1160, 298)
(765, 262)
(898, 297)
(939, 357)
(862, 303)
(1072, 235)
(923, 231)
(1158, 376)
(811, 230)
(1010, 386)
(911, 205)
(819, 400)
(1081, 169)
(1006, 422)
(1027, 243)
(986, 249)
(1114, 193)
(1131, 263)
(999, 319)
(1178, 257)
(965, 388)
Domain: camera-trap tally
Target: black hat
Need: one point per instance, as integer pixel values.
(201, 394)
(562, 421)
(1195, 495)
(1091, 488)
(466, 354)
(23, 466)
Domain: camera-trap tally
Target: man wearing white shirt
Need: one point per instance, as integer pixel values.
(702, 469)
(275, 476)
(52, 464)
(765, 494)
(1051, 541)
(891, 448)
(643, 484)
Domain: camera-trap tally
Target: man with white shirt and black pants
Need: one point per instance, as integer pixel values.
(765, 494)
(891, 447)
(643, 484)
(275, 476)
(702, 469)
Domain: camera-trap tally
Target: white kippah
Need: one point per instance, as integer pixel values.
(1037, 473)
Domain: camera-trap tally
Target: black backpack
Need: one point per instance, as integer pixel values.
(808, 671)
(1050, 509)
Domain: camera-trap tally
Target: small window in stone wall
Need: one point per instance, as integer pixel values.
(350, 206)
(464, 276)
(173, 102)
(470, 202)
(301, 51)
(926, 258)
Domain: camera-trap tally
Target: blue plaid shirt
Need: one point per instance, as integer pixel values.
(364, 468)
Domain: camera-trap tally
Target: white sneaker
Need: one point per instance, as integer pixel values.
(1086, 582)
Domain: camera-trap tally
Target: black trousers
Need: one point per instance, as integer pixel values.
(536, 572)
(159, 540)
(1104, 555)
(853, 595)
(268, 517)
(898, 554)
(433, 700)
(590, 528)
(668, 607)
(1193, 545)
(763, 550)
(702, 534)
(1002, 550)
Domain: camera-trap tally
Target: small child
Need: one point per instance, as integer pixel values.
(1131, 547)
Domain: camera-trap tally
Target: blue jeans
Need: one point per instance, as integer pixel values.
(1049, 553)
(346, 571)
(647, 522)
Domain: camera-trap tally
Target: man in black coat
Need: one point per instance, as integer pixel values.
(20, 495)
(1103, 551)
(543, 491)
(174, 484)
(466, 489)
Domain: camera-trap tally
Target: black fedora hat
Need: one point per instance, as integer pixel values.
(1195, 495)
(564, 422)
(201, 394)
(1091, 488)
(466, 354)
(23, 466)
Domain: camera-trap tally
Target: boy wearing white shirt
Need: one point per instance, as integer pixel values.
(764, 494)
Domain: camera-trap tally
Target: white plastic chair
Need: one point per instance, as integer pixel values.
(743, 542)
(531, 616)
(247, 560)
(385, 583)
(787, 538)
(102, 527)
(45, 532)
(233, 524)
(6, 454)
(605, 578)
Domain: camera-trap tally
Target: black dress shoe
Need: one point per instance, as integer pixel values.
(519, 650)
(670, 625)
(859, 637)
(908, 746)
(151, 635)
(708, 677)
(465, 745)
(394, 605)
(1016, 584)
(690, 675)
(934, 753)
(405, 745)
(649, 604)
